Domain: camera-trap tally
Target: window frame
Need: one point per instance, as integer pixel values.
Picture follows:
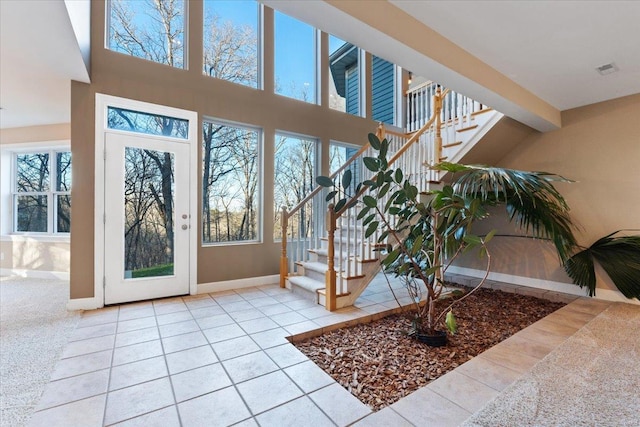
(185, 38)
(10, 192)
(259, 47)
(316, 171)
(259, 239)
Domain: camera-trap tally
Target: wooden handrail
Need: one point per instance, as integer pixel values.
(418, 87)
(395, 157)
(333, 175)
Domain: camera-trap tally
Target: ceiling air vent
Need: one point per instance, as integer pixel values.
(607, 69)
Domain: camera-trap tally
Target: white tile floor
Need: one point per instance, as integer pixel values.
(212, 359)
(223, 359)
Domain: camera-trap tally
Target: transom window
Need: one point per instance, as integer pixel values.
(42, 192)
(151, 124)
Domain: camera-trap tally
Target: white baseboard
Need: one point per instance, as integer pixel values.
(550, 285)
(205, 288)
(84, 304)
(36, 274)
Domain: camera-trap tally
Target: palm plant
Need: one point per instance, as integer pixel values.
(620, 259)
(423, 234)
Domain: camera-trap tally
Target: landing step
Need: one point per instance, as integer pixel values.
(306, 283)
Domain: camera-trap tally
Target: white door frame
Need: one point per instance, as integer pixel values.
(102, 103)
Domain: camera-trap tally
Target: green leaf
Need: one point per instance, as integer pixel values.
(393, 255)
(340, 205)
(383, 190)
(371, 163)
(369, 201)
(489, 236)
(346, 178)
(399, 176)
(472, 240)
(374, 141)
(324, 181)
(417, 245)
(371, 228)
(331, 195)
(368, 219)
(450, 321)
(363, 212)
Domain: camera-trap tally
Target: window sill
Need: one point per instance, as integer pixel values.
(47, 238)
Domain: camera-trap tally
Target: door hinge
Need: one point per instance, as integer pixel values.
(104, 218)
(104, 282)
(104, 155)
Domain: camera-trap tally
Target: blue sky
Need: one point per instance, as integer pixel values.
(295, 57)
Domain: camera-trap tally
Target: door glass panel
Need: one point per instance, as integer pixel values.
(149, 213)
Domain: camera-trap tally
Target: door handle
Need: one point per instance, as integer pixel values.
(185, 226)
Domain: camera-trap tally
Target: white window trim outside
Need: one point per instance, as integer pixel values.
(260, 200)
(102, 103)
(7, 187)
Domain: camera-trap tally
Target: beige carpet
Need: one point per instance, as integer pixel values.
(34, 328)
(593, 379)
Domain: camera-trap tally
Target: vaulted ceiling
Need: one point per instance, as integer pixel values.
(532, 59)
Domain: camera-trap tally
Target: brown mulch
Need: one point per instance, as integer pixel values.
(379, 364)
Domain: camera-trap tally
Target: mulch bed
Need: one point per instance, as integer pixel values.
(379, 364)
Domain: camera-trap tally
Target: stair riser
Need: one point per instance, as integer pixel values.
(304, 293)
(311, 274)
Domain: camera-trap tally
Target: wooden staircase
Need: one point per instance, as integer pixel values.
(332, 263)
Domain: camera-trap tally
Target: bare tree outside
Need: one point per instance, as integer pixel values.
(294, 179)
(149, 29)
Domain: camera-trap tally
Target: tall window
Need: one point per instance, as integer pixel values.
(295, 58)
(230, 183)
(42, 192)
(149, 29)
(231, 40)
(344, 68)
(295, 175)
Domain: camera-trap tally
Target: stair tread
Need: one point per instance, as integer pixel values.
(306, 283)
(320, 267)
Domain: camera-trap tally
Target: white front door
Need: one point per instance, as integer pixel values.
(147, 218)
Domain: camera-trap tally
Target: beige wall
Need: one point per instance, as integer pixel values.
(23, 253)
(120, 75)
(598, 147)
(56, 132)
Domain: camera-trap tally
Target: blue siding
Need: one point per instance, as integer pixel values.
(352, 90)
(383, 90)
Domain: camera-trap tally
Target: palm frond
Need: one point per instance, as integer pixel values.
(619, 258)
(531, 200)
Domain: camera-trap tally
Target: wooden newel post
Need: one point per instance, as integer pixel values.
(284, 262)
(380, 132)
(437, 101)
(330, 275)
